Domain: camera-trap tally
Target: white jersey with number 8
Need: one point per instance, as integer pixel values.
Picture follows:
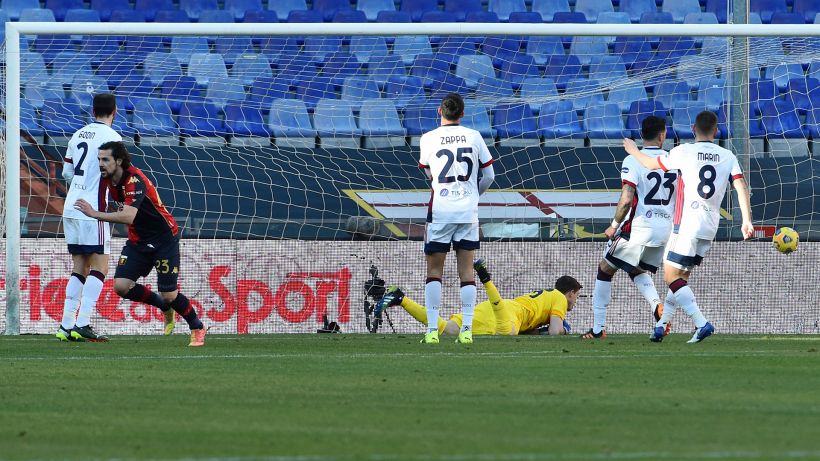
(82, 153)
(454, 154)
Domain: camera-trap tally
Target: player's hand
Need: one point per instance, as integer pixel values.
(630, 147)
(748, 230)
(84, 207)
(610, 232)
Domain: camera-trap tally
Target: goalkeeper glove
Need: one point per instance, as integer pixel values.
(567, 327)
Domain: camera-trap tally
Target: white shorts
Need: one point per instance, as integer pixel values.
(686, 252)
(87, 236)
(630, 254)
(439, 236)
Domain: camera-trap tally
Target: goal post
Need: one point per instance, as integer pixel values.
(523, 178)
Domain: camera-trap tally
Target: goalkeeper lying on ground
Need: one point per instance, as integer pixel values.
(527, 314)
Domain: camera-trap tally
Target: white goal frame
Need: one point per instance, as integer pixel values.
(15, 29)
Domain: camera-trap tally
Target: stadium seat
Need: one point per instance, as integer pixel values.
(683, 117)
(81, 15)
(591, 8)
(603, 121)
(781, 119)
(278, 48)
(585, 48)
(194, 7)
(380, 124)
(607, 69)
(515, 125)
(284, 7)
(349, 16)
(224, 89)
(671, 49)
(150, 7)
(105, 7)
(451, 48)
(449, 84)
(713, 92)
(700, 18)
(477, 117)
(808, 8)
(37, 90)
(787, 18)
(481, 16)
(518, 68)
(394, 16)
(117, 67)
(178, 89)
(205, 66)
(290, 124)
(249, 67)
(15, 7)
(720, 8)
(473, 68)
(536, 90)
(367, 47)
(238, 8)
(339, 66)
(680, 8)
(404, 91)
(416, 8)
(561, 69)
(625, 92)
(154, 122)
(62, 117)
(183, 47)
(127, 15)
(541, 47)
(491, 90)
(635, 8)
(49, 46)
(298, 69)
(583, 93)
(760, 92)
(358, 88)
(60, 7)
(138, 46)
(171, 16)
(231, 48)
(29, 121)
(246, 125)
(371, 8)
(329, 7)
(382, 67)
(32, 66)
(638, 111)
(336, 125)
(460, 8)
(632, 50)
(36, 15)
(767, 8)
(714, 49)
(526, 17)
(133, 85)
(503, 8)
(421, 118)
(158, 66)
(200, 119)
(812, 123)
(671, 93)
(782, 73)
(311, 91)
(612, 18)
(548, 8)
(803, 93)
(754, 18)
(215, 16)
(500, 48)
(260, 16)
(84, 87)
(429, 67)
(70, 64)
(264, 90)
(568, 18)
(693, 68)
(559, 124)
(410, 46)
(319, 47)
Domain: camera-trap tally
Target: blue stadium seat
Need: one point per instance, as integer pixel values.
(514, 121)
(133, 85)
(583, 93)
(781, 119)
(671, 49)
(339, 66)
(410, 46)
(680, 8)
(586, 47)
(607, 69)
(298, 69)
(249, 67)
(279, 48)
(242, 121)
(394, 16)
(404, 91)
(215, 16)
(371, 8)
(720, 8)
(604, 121)
(671, 93)
(568, 18)
(205, 66)
(632, 50)
(421, 118)
(700, 18)
(693, 68)
(526, 17)
(178, 89)
(561, 69)
(37, 90)
(32, 66)
(591, 8)
(547, 8)
(349, 16)
(812, 122)
(224, 89)
(157, 66)
(171, 16)
(683, 117)
(500, 49)
(284, 7)
(238, 8)
(153, 118)
(613, 18)
(382, 67)
(379, 121)
(260, 16)
(540, 47)
(116, 68)
(311, 91)
(14, 7)
(477, 117)
(635, 8)
(81, 15)
(105, 7)
(520, 67)
(760, 92)
(714, 48)
(558, 120)
(473, 68)
(62, 117)
(481, 16)
(334, 119)
(29, 121)
(767, 8)
(231, 48)
(36, 15)
(437, 16)
(329, 7)
(803, 93)
(127, 15)
(60, 7)
(183, 47)
(265, 90)
(138, 46)
(48, 46)
(503, 8)
(808, 8)
(200, 118)
(194, 7)
(450, 48)
(150, 7)
(536, 90)
(418, 7)
(787, 18)
(289, 119)
(449, 84)
(358, 88)
(429, 67)
(70, 64)
(461, 7)
(491, 90)
(638, 111)
(625, 92)
(367, 47)
(319, 47)
(713, 92)
(782, 73)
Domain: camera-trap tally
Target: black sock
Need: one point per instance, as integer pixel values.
(144, 295)
(187, 311)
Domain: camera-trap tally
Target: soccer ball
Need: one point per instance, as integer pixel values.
(785, 239)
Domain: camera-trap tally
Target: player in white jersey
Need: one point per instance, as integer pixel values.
(640, 229)
(452, 156)
(706, 170)
(89, 240)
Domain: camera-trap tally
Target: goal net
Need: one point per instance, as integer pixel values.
(290, 162)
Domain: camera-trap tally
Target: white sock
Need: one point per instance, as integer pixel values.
(467, 306)
(432, 299)
(644, 284)
(91, 292)
(73, 291)
(668, 309)
(601, 297)
(686, 300)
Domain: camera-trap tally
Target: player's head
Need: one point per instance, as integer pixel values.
(113, 157)
(705, 125)
(570, 287)
(653, 130)
(104, 105)
(452, 107)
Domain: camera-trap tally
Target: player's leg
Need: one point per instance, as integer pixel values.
(167, 263)
(466, 242)
(73, 295)
(682, 256)
(484, 276)
(506, 323)
(97, 235)
(651, 259)
(601, 297)
(132, 265)
(436, 246)
(419, 312)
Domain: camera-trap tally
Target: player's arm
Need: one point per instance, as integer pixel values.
(124, 215)
(621, 209)
(68, 165)
(745, 202)
(651, 163)
(487, 178)
(556, 326)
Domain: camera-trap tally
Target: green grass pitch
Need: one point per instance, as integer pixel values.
(386, 397)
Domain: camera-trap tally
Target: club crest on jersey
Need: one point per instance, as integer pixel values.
(695, 205)
(123, 260)
(444, 192)
(649, 213)
(625, 170)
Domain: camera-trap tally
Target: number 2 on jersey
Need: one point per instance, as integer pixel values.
(668, 181)
(78, 168)
(458, 157)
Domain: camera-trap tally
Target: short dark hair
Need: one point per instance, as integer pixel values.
(705, 122)
(118, 151)
(452, 106)
(104, 104)
(565, 284)
(652, 127)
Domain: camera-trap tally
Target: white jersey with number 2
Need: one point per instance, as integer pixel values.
(706, 170)
(454, 155)
(650, 218)
(82, 153)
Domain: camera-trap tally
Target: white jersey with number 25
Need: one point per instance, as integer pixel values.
(454, 155)
(706, 170)
(82, 153)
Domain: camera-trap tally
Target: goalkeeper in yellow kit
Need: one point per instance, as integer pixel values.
(530, 313)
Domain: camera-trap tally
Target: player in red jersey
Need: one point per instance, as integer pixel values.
(153, 235)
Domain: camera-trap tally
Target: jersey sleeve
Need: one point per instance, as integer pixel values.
(424, 154)
(629, 172)
(671, 161)
(736, 173)
(559, 307)
(484, 156)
